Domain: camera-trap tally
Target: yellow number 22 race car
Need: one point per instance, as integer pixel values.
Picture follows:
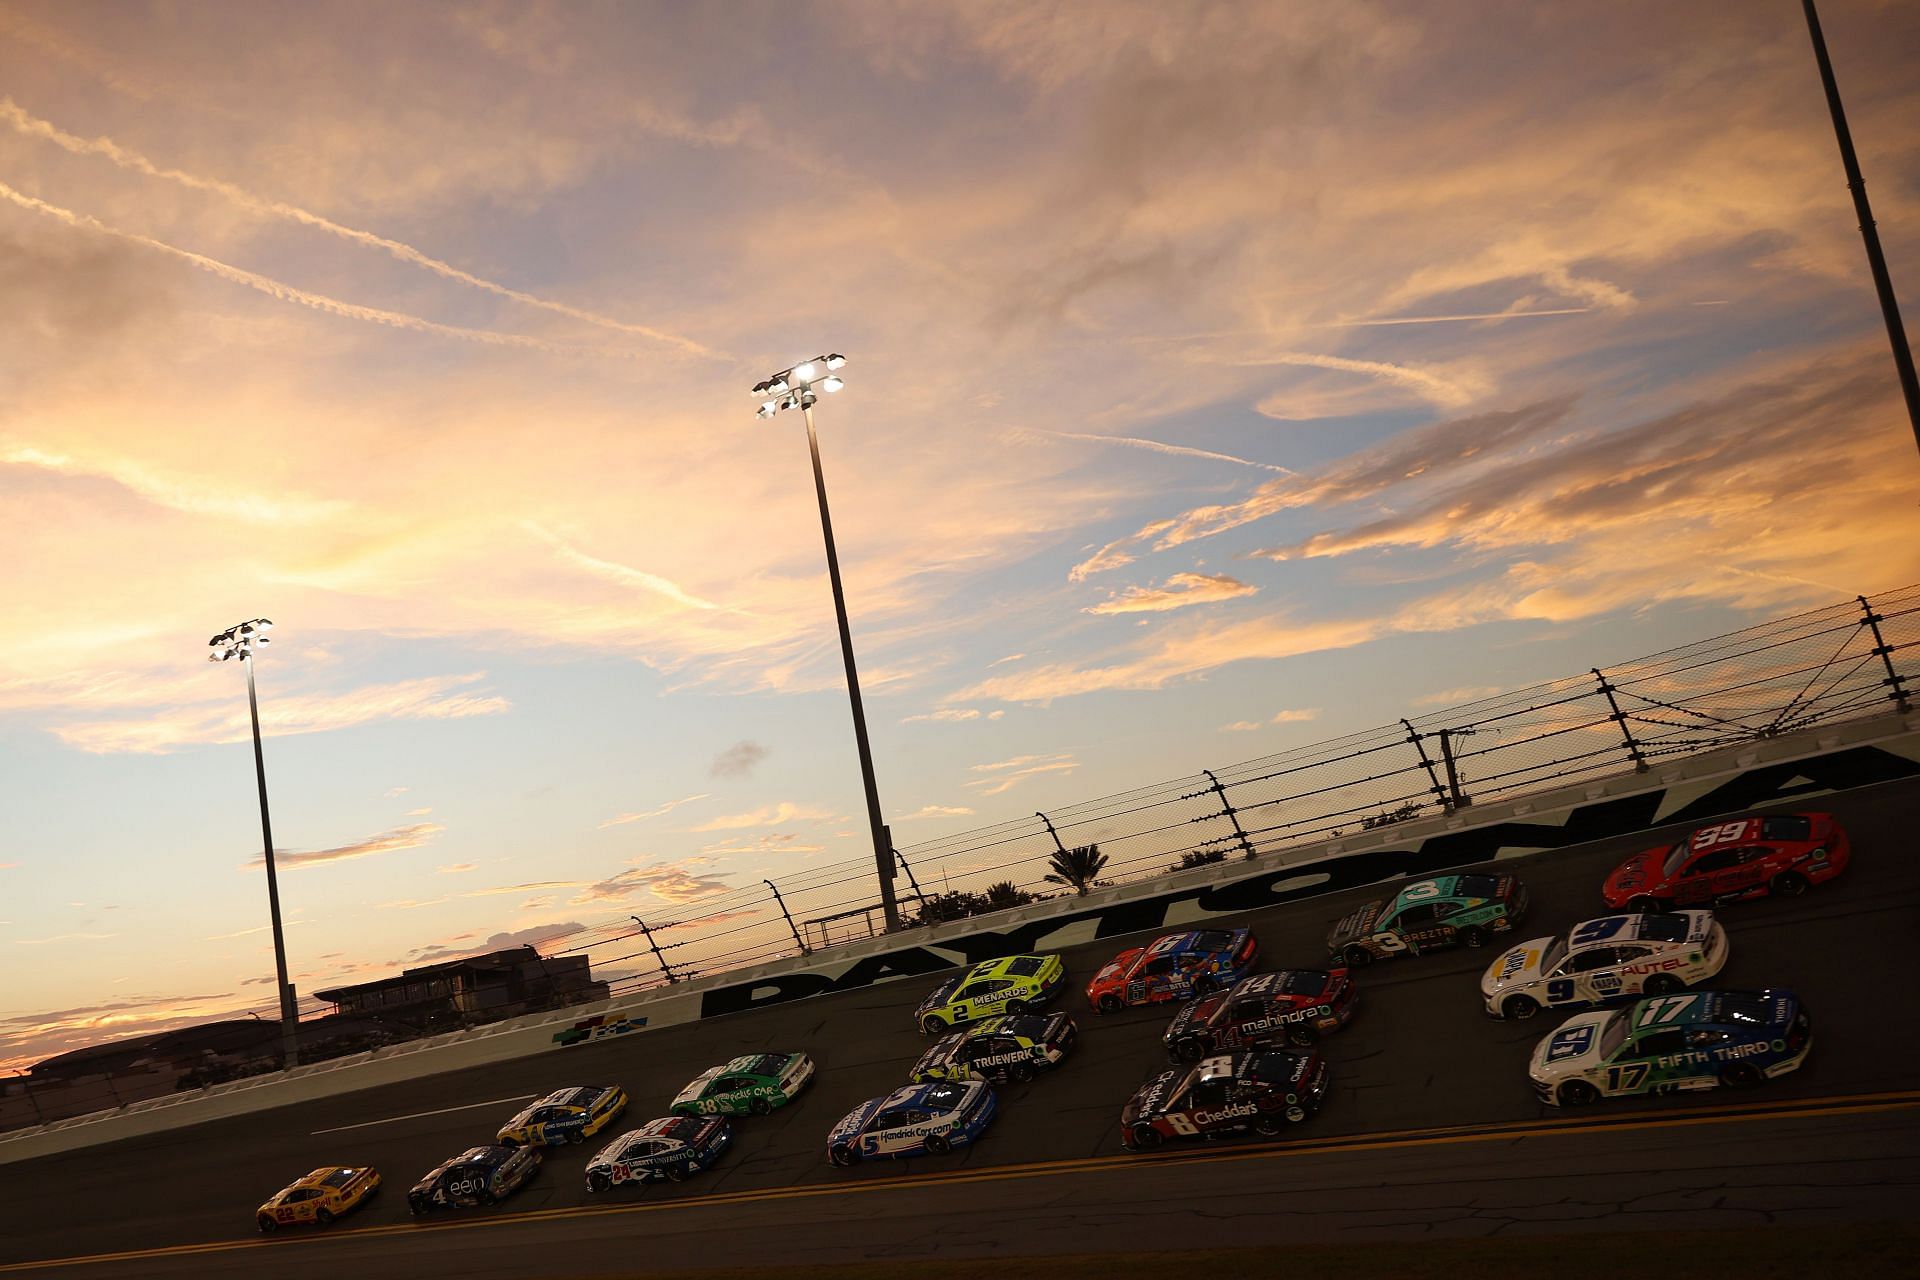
(321, 1196)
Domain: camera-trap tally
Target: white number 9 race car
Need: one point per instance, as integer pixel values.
(1600, 959)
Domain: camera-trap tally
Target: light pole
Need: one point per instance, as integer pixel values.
(794, 389)
(237, 642)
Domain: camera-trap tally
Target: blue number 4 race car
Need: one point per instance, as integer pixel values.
(934, 1118)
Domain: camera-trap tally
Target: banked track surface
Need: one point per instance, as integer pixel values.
(1049, 1177)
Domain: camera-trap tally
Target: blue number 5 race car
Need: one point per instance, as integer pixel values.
(934, 1118)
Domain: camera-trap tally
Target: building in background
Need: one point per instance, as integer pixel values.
(500, 984)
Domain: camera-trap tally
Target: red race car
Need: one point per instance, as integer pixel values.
(1295, 1006)
(1174, 966)
(1731, 861)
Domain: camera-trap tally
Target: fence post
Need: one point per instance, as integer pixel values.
(1050, 831)
(1456, 798)
(658, 955)
(1439, 792)
(1620, 719)
(26, 1087)
(1233, 815)
(1894, 681)
(797, 939)
(117, 1100)
(907, 867)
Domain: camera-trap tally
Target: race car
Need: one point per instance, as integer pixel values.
(320, 1197)
(1010, 984)
(1295, 1006)
(752, 1084)
(670, 1149)
(1005, 1050)
(1664, 1044)
(1430, 915)
(1730, 861)
(1600, 959)
(1264, 1091)
(478, 1175)
(565, 1115)
(934, 1118)
(1174, 966)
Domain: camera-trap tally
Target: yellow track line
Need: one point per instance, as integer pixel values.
(1860, 1104)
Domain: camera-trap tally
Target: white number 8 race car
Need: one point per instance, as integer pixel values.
(1600, 959)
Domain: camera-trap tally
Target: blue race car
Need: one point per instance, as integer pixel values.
(478, 1175)
(934, 1118)
(669, 1149)
(1174, 966)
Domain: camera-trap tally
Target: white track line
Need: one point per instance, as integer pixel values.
(368, 1124)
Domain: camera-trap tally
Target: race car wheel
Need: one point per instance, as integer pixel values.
(1145, 1137)
(1577, 1093)
(1020, 1072)
(1473, 936)
(1788, 884)
(1301, 1034)
(577, 1136)
(759, 1106)
(1296, 1113)
(416, 1206)
(1741, 1075)
(1017, 1007)
(1661, 983)
(597, 1181)
(1644, 903)
(937, 1145)
(484, 1195)
(1189, 1050)
(675, 1173)
(845, 1157)
(1109, 1003)
(267, 1224)
(1520, 1008)
(322, 1217)
(1267, 1125)
(1358, 957)
(933, 1024)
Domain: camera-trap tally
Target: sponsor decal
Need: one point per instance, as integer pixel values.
(598, 1028)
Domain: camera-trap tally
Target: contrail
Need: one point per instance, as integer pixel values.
(1434, 388)
(35, 127)
(1486, 315)
(1156, 446)
(278, 289)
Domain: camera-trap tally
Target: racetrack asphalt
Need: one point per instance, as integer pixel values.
(1831, 1142)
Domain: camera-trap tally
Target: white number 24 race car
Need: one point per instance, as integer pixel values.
(1600, 959)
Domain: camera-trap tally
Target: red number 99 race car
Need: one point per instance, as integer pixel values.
(1731, 861)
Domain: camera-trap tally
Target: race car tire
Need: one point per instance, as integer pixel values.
(675, 1173)
(1188, 1050)
(1358, 957)
(933, 1024)
(322, 1217)
(936, 1145)
(1788, 884)
(1661, 984)
(1519, 1008)
(1645, 903)
(1473, 936)
(1296, 1113)
(267, 1224)
(844, 1157)
(1577, 1093)
(598, 1181)
(1267, 1125)
(1017, 1007)
(1302, 1034)
(1020, 1072)
(1145, 1137)
(1204, 987)
(1740, 1075)
(1109, 1003)
(484, 1195)
(759, 1106)
(416, 1206)
(577, 1136)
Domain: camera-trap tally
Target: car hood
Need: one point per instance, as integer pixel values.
(1115, 969)
(939, 996)
(1193, 1016)
(1572, 1048)
(1520, 965)
(1637, 874)
(697, 1087)
(855, 1120)
(941, 1055)
(1150, 1097)
(1357, 923)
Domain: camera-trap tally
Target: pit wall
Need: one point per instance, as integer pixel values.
(1783, 770)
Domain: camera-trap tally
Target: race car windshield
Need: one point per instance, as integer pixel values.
(576, 1097)
(1555, 952)
(1213, 941)
(945, 1097)
(1302, 982)
(338, 1178)
(1476, 886)
(767, 1064)
(683, 1128)
(1663, 928)
(1614, 1033)
(1676, 858)
(1024, 967)
(1270, 1068)
(1790, 827)
(1031, 1025)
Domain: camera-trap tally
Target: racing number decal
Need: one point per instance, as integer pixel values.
(1626, 1077)
(1726, 833)
(1597, 930)
(1178, 1122)
(1418, 892)
(1560, 989)
(1665, 1009)
(1389, 943)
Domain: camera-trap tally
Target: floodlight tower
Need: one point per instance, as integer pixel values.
(795, 388)
(238, 641)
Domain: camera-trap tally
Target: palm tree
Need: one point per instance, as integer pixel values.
(1006, 894)
(1077, 867)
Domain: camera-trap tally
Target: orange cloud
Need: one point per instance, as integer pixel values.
(1182, 590)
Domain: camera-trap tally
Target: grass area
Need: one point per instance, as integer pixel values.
(1864, 1251)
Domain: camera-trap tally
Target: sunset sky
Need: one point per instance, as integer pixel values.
(1221, 377)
